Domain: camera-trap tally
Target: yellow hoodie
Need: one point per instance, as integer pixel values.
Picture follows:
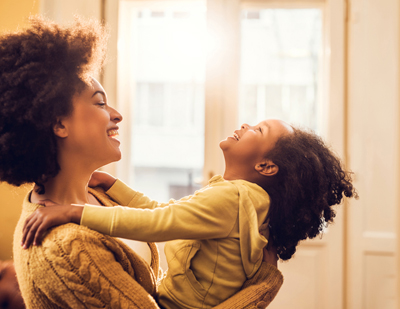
(219, 245)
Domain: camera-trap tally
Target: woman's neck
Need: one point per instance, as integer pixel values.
(68, 187)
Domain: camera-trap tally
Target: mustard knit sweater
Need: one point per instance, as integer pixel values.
(76, 267)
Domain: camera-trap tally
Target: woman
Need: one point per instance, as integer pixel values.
(56, 128)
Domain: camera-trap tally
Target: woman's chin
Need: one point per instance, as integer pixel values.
(116, 157)
(111, 159)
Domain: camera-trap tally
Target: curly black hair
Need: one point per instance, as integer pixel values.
(41, 69)
(309, 182)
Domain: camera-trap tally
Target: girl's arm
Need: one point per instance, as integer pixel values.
(126, 196)
(122, 193)
(208, 214)
(43, 218)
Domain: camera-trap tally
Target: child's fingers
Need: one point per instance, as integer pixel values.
(39, 235)
(30, 234)
(43, 227)
(27, 225)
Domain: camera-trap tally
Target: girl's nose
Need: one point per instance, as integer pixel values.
(115, 116)
(244, 126)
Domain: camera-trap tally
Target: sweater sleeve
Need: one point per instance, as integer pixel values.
(257, 292)
(210, 213)
(126, 196)
(85, 269)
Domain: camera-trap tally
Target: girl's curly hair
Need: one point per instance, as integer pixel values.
(309, 182)
(41, 69)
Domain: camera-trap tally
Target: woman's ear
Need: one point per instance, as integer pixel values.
(267, 168)
(60, 130)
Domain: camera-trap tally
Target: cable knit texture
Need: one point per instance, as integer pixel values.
(76, 267)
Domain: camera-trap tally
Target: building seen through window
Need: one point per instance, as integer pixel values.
(280, 78)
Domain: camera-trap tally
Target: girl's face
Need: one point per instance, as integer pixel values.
(249, 144)
(90, 132)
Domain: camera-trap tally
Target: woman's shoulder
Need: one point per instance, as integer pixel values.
(102, 197)
(73, 257)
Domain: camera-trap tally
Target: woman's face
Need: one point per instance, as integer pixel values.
(89, 134)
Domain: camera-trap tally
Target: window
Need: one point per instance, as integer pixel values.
(163, 60)
(189, 75)
(165, 71)
(280, 65)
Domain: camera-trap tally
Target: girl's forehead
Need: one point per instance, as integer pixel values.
(277, 124)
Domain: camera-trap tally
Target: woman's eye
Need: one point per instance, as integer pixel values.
(101, 104)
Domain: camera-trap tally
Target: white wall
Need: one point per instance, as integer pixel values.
(373, 152)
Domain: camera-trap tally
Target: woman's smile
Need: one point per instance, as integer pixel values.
(113, 133)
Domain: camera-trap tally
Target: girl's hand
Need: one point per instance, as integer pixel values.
(46, 217)
(102, 180)
(270, 254)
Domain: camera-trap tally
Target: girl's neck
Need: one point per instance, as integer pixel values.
(232, 176)
(235, 172)
(252, 176)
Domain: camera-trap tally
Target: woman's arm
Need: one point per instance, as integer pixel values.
(261, 289)
(257, 292)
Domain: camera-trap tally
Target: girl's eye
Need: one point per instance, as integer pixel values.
(259, 128)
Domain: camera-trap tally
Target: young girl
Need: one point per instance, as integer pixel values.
(274, 174)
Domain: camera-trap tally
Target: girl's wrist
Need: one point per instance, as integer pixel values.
(76, 213)
(109, 183)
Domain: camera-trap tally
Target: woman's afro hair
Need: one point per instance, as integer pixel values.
(310, 181)
(41, 69)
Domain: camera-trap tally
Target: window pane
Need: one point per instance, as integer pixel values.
(280, 65)
(166, 69)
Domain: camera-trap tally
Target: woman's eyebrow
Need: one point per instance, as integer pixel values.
(99, 91)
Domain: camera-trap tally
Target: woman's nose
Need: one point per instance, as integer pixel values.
(115, 116)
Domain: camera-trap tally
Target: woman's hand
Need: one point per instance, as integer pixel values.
(46, 217)
(270, 254)
(102, 180)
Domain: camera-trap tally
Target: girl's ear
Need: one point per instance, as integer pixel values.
(60, 130)
(267, 168)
